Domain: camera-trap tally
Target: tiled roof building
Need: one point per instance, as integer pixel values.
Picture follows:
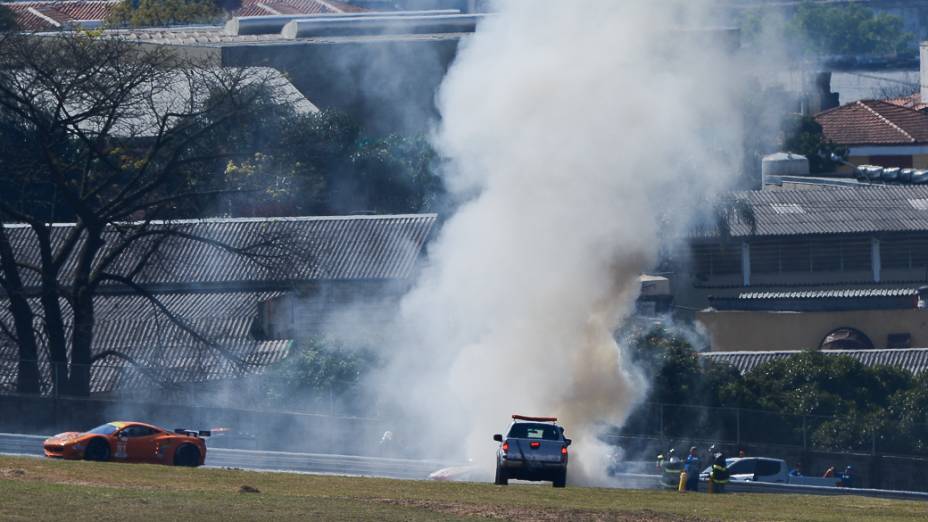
(50, 15)
(833, 210)
(871, 122)
(815, 261)
(910, 102)
(879, 132)
(227, 299)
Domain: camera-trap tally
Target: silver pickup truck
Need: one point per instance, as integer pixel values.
(761, 469)
(535, 449)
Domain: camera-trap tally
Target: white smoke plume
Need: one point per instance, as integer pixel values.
(570, 130)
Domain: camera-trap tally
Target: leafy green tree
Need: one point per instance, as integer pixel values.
(814, 383)
(803, 135)
(846, 401)
(670, 362)
(392, 174)
(841, 403)
(676, 372)
(847, 29)
(157, 13)
(321, 163)
(910, 407)
(317, 368)
(97, 132)
(681, 383)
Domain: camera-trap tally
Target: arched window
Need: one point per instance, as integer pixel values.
(846, 339)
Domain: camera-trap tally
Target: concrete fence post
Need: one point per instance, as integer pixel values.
(661, 424)
(745, 263)
(738, 425)
(875, 262)
(804, 445)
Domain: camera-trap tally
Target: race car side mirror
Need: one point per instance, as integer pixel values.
(567, 442)
(498, 437)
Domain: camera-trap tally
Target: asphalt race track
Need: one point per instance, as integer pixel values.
(16, 444)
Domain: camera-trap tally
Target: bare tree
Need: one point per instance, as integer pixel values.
(111, 137)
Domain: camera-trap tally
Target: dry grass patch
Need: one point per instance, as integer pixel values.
(41, 489)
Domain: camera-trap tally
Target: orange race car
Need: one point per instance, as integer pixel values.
(131, 442)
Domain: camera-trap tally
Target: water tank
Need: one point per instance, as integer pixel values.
(784, 164)
(891, 174)
(868, 173)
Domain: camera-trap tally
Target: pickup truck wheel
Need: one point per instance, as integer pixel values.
(501, 478)
(560, 480)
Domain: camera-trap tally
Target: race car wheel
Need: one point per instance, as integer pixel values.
(187, 455)
(501, 478)
(97, 449)
(560, 480)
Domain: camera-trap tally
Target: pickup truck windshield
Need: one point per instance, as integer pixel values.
(526, 430)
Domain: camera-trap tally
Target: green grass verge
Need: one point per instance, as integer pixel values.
(37, 489)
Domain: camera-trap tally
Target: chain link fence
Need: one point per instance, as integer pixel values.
(741, 427)
(230, 387)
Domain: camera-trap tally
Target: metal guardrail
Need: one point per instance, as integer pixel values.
(639, 480)
(21, 444)
(746, 427)
(797, 489)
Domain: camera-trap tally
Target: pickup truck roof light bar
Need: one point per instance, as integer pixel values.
(534, 419)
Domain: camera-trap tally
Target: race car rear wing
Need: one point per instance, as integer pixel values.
(534, 419)
(193, 433)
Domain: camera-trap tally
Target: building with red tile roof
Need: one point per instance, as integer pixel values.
(911, 102)
(51, 15)
(878, 132)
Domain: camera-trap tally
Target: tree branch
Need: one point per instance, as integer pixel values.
(238, 361)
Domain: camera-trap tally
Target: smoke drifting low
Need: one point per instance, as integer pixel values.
(569, 130)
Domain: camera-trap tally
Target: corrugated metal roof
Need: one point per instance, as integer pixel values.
(820, 300)
(282, 250)
(840, 293)
(830, 210)
(309, 7)
(162, 353)
(289, 250)
(914, 360)
(173, 92)
(113, 374)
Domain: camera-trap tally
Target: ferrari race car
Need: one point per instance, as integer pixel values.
(131, 442)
